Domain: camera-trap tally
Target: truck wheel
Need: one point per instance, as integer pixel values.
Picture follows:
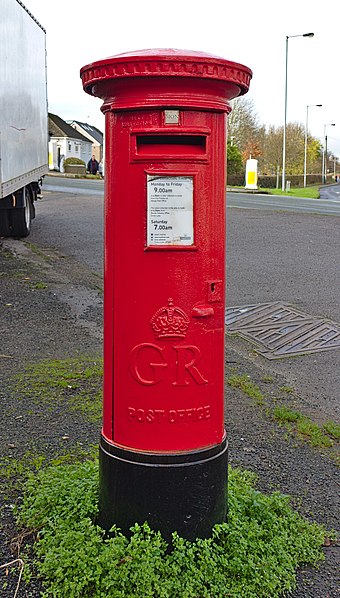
(21, 217)
(5, 230)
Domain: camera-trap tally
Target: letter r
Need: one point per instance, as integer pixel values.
(185, 364)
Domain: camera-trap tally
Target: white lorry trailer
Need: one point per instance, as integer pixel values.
(23, 117)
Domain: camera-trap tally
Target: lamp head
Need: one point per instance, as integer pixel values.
(308, 35)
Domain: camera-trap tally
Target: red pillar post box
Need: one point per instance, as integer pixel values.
(163, 450)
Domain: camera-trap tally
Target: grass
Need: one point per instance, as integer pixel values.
(37, 250)
(286, 415)
(332, 429)
(255, 554)
(315, 434)
(13, 470)
(308, 192)
(73, 384)
(78, 381)
(40, 285)
(244, 383)
(287, 389)
(319, 436)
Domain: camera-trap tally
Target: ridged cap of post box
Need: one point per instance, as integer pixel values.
(165, 77)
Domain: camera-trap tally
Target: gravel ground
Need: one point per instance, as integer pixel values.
(47, 323)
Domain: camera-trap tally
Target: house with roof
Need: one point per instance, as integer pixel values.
(93, 134)
(65, 142)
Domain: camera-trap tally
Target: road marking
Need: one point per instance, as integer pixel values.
(287, 208)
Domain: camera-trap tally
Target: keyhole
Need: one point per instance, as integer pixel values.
(212, 287)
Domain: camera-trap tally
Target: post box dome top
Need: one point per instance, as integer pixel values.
(165, 62)
(165, 77)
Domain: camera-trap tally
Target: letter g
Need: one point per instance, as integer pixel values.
(142, 366)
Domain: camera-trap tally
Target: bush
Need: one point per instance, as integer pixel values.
(72, 160)
(270, 181)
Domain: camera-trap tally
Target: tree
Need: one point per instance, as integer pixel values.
(244, 128)
(266, 144)
(295, 148)
(272, 151)
(234, 159)
(314, 155)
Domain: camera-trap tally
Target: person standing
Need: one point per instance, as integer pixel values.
(92, 165)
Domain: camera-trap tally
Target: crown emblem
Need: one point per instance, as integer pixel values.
(170, 322)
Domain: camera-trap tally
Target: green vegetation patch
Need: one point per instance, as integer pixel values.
(15, 469)
(324, 436)
(333, 429)
(247, 386)
(312, 192)
(317, 435)
(77, 381)
(284, 414)
(255, 554)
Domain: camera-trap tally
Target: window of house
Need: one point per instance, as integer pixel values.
(77, 148)
(69, 147)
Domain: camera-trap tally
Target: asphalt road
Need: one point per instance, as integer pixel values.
(330, 192)
(67, 185)
(73, 224)
(329, 202)
(257, 201)
(271, 256)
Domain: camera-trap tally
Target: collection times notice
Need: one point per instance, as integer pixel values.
(170, 210)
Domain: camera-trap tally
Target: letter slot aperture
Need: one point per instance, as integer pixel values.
(170, 145)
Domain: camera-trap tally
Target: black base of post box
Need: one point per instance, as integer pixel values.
(183, 492)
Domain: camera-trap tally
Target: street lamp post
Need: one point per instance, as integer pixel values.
(306, 135)
(324, 155)
(285, 119)
(334, 175)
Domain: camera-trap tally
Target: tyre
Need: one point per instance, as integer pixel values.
(21, 218)
(5, 229)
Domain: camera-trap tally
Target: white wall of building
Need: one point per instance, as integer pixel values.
(63, 147)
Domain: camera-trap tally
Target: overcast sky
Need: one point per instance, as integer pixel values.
(250, 32)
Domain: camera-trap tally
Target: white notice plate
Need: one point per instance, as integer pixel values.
(170, 218)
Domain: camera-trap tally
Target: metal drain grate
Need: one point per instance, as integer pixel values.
(280, 330)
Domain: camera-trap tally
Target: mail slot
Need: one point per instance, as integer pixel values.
(171, 144)
(163, 451)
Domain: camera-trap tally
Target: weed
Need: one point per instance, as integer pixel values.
(36, 249)
(308, 428)
(332, 429)
(254, 554)
(294, 421)
(15, 469)
(286, 415)
(77, 381)
(247, 386)
(40, 285)
(287, 389)
(305, 426)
